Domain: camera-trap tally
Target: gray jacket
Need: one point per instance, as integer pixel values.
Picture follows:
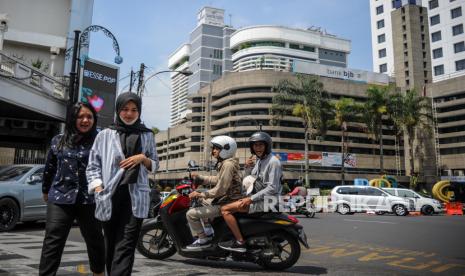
(269, 170)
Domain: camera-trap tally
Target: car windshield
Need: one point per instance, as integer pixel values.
(424, 194)
(13, 173)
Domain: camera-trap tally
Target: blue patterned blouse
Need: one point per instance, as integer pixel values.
(65, 174)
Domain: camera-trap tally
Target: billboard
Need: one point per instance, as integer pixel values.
(326, 159)
(99, 86)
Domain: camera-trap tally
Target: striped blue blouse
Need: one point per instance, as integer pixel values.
(103, 169)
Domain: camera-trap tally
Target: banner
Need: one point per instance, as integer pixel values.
(99, 88)
(332, 159)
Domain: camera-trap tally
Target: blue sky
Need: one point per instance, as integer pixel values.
(150, 30)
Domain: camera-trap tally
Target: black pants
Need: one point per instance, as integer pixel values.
(60, 218)
(121, 233)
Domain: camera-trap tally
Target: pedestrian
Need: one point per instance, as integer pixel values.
(64, 189)
(227, 189)
(268, 173)
(119, 163)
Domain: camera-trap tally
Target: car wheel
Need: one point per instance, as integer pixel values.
(9, 214)
(400, 210)
(427, 210)
(343, 209)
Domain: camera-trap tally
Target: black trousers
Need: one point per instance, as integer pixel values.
(60, 218)
(121, 233)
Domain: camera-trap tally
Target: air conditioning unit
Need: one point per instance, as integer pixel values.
(18, 124)
(41, 126)
(2, 122)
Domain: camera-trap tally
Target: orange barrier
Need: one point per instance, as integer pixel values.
(454, 208)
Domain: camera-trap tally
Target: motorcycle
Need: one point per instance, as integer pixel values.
(303, 210)
(272, 239)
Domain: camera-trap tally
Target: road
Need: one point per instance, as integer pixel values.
(357, 244)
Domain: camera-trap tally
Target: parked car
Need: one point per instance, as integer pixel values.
(21, 195)
(423, 204)
(350, 199)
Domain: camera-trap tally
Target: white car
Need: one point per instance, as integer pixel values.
(350, 199)
(425, 205)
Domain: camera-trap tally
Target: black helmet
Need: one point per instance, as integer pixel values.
(260, 137)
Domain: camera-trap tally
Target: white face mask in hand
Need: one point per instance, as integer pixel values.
(130, 123)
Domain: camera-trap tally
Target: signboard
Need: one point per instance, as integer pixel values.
(211, 16)
(99, 86)
(327, 159)
(454, 178)
(306, 67)
(332, 159)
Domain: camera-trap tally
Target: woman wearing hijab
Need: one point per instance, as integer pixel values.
(65, 190)
(119, 163)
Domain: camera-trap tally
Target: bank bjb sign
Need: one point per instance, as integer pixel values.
(99, 87)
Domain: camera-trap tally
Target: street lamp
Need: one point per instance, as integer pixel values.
(82, 41)
(184, 72)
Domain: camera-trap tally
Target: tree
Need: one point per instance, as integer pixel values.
(155, 130)
(409, 111)
(303, 97)
(374, 109)
(345, 110)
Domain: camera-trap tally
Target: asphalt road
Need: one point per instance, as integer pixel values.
(357, 244)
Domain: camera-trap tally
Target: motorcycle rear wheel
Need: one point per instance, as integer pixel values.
(286, 252)
(155, 243)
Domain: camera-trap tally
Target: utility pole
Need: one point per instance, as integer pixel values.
(141, 80)
(131, 80)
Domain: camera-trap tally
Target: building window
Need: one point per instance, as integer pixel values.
(217, 69)
(433, 4)
(460, 65)
(380, 24)
(437, 53)
(439, 70)
(383, 68)
(454, 13)
(382, 53)
(381, 38)
(217, 54)
(379, 9)
(434, 20)
(457, 29)
(436, 36)
(459, 47)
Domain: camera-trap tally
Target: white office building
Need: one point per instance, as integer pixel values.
(447, 38)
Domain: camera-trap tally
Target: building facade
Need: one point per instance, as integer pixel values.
(444, 23)
(206, 55)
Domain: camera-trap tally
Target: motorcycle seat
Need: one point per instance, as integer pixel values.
(258, 215)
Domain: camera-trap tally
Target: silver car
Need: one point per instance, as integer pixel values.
(21, 195)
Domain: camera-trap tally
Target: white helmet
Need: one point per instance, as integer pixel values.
(226, 144)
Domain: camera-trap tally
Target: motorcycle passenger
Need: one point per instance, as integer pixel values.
(227, 189)
(297, 191)
(268, 170)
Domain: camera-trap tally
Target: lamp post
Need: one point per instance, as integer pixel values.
(141, 89)
(184, 72)
(82, 41)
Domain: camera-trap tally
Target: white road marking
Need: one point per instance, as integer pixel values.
(374, 221)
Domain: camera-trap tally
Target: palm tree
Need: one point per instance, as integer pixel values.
(345, 110)
(305, 98)
(373, 111)
(409, 111)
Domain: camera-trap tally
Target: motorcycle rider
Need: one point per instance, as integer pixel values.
(268, 172)
(299, 191)
(228, 188)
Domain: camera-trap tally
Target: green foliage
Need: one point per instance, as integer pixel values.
(305, 98)
(155, 130)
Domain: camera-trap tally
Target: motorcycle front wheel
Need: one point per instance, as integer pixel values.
(155, 243)
(286, 249)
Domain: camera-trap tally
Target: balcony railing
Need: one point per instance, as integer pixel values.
(16, 70)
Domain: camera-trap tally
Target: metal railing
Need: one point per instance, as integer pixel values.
(17, 70)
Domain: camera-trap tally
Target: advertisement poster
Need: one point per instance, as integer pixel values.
(332, 159)
(99, 88)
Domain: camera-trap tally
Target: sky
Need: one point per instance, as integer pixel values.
(149, 31)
